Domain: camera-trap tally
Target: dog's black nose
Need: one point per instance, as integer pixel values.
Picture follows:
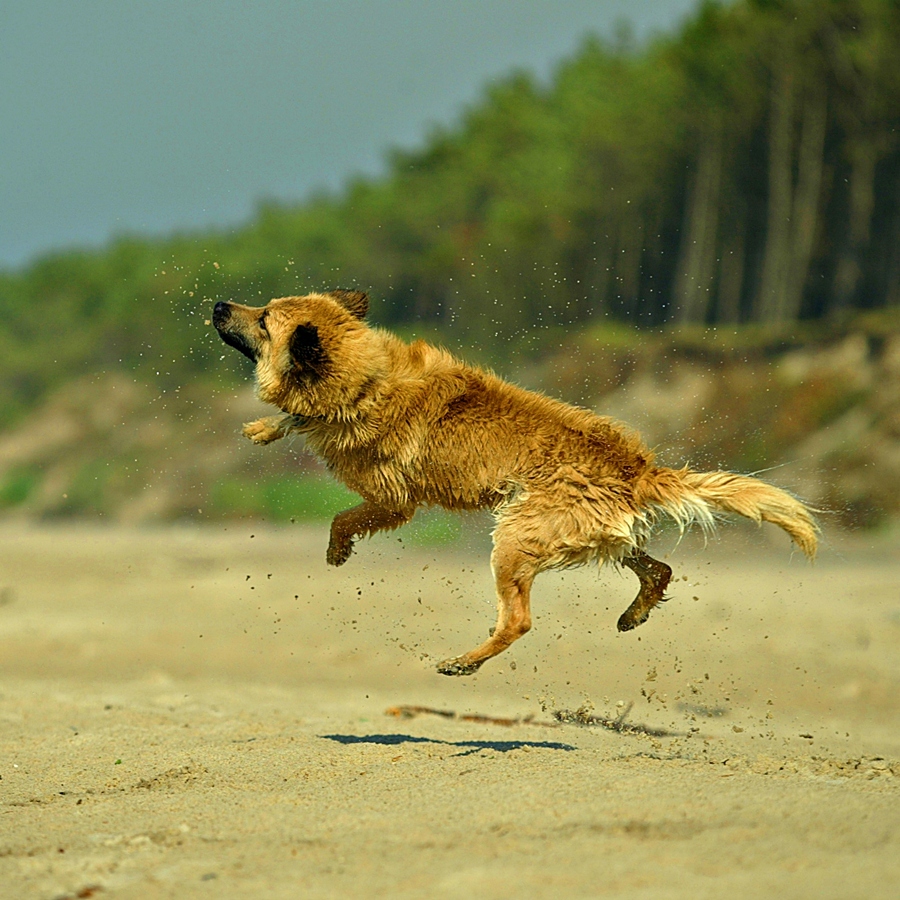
(221, 313)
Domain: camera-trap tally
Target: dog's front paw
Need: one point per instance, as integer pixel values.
(460, 665)
(263, 431)
(338, 552)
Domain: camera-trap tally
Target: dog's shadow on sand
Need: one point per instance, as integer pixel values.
(393, 740)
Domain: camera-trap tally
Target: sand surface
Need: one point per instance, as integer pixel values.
(201, 712)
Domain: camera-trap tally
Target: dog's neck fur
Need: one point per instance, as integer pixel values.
(355, 412)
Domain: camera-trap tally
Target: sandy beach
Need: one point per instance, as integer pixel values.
(212, 712)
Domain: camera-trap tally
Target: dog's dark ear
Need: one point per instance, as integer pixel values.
(355, 302)
(306, 350)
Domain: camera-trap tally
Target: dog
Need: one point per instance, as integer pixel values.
(408, 425)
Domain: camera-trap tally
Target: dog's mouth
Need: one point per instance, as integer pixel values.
(230, 332)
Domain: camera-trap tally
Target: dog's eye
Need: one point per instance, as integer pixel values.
(262, 325)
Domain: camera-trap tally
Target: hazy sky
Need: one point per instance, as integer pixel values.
(153, 115)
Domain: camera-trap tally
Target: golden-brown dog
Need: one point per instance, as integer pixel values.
(407, 425)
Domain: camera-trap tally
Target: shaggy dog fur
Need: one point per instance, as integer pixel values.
(407, 425)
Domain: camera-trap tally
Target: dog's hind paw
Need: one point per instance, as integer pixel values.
(458, 666)
(338, 554)
(632, 618)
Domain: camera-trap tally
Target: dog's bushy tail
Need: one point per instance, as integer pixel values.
(691, 497)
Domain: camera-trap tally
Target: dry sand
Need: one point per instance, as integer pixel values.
(199, 712)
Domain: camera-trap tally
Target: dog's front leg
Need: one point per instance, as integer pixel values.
(271, 428)
(360, 521)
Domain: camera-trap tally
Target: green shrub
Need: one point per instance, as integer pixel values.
(432, 528)
(309, 498)
(314, 498)
(18, 486)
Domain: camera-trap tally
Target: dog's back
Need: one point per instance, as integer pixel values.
(446, 433)
(436, 431)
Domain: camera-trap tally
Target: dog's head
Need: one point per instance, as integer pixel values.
(313, 354)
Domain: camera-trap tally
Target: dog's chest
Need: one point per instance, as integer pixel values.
(366, 472)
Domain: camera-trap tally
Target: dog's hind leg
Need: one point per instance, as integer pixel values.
(514, 572)
(654, 577)
(359, 521)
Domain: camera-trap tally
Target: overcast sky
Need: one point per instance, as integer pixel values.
(146, 116)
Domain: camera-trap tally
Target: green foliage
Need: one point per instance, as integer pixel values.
(18, 486)
(315, 498)
(87, 490)
(308, 498)
(432, 528)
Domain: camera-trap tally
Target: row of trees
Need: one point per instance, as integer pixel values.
(745, 169)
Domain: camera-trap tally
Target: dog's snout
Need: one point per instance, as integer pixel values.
(231, 328)
(221, 313)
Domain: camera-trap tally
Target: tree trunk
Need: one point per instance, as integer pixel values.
(772, 290)
(731, 278)
(892, 292)
(864, 155)
(599, 275)
(805, 207)
(697, 254)
(628, 265)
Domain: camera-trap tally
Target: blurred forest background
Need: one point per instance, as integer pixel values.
(700, 235)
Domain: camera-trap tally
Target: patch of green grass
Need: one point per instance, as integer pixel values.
(18, 486)
(315, 498)
(86, 492)
(432, 528)
(305, 498)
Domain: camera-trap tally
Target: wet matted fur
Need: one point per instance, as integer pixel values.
(408, 425)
